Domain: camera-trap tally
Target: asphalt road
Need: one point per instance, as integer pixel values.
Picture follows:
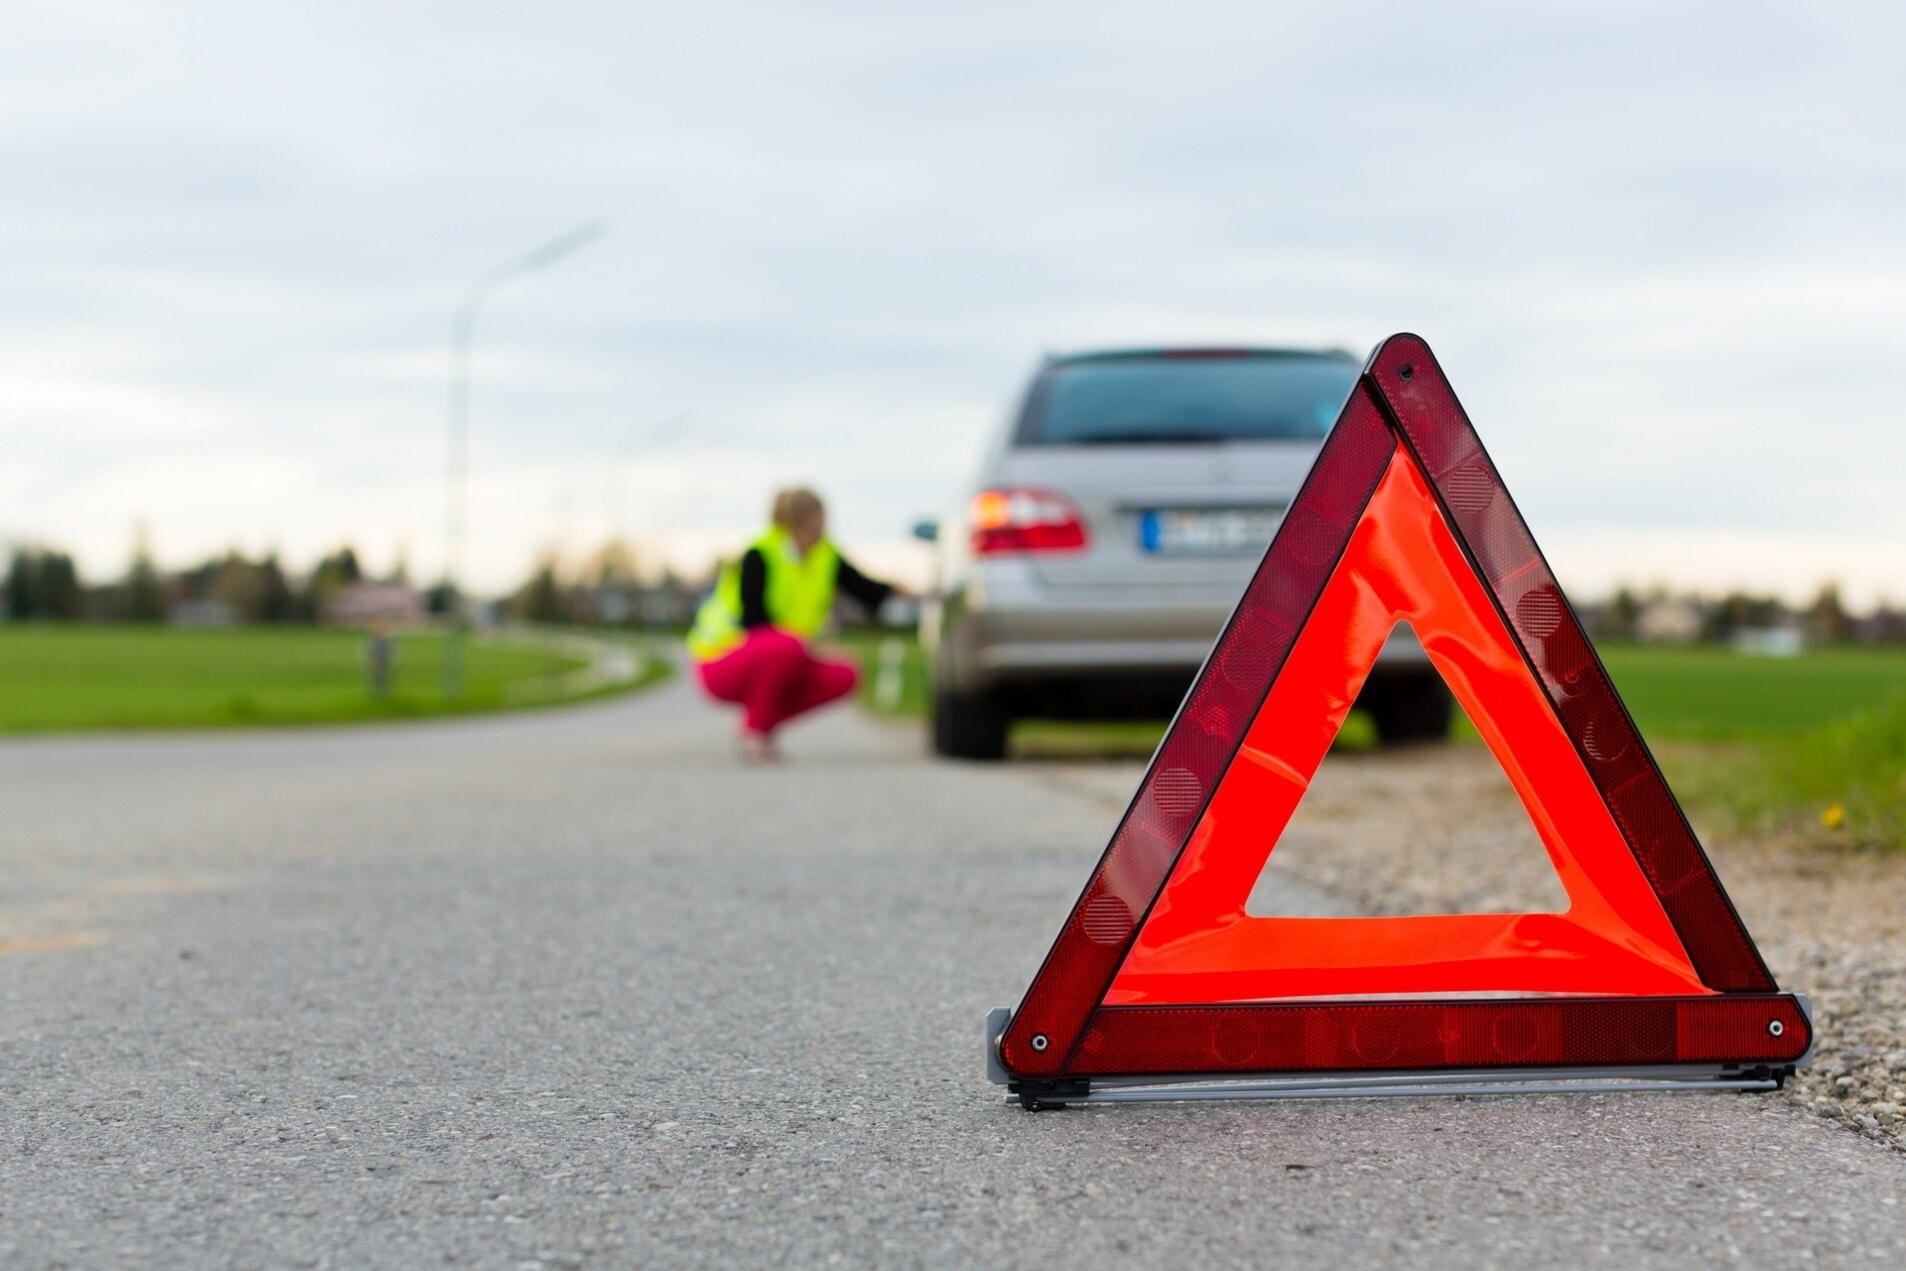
(573, 989)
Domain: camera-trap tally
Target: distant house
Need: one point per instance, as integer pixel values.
(668, 604)
(609, 606)
(1885, 625)
(363, 603)
(1782, 641)
(200, 611)
(1669, 620)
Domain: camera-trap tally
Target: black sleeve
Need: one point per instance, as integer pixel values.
(868, 593)
(754, 590)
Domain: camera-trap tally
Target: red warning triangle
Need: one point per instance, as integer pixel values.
(1160, 972)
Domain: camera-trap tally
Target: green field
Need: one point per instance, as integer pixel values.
(78, 677)
(1817, 740)
(1815, 743)
(1714, 693)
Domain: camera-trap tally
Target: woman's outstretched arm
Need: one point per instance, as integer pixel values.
(868, 593)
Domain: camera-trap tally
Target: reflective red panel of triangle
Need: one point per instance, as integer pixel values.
(1159, 970)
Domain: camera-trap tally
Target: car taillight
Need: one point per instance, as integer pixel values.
(1020, 519)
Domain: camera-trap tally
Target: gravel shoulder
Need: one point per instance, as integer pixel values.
(1439, 830)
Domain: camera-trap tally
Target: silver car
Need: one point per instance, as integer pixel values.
(1117, 520)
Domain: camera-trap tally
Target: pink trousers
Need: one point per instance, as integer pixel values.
(774, 678)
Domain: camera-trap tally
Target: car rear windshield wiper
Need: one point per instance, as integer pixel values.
(1146, 437)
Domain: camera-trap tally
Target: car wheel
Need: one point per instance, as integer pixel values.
(1408, 710)
(969, 725)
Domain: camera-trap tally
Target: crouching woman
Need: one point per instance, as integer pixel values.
(751, 642)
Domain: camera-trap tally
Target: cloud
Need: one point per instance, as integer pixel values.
(1659, 251)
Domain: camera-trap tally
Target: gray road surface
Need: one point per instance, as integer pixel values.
(571, 989)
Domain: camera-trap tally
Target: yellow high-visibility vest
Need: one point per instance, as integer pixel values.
(800, 595)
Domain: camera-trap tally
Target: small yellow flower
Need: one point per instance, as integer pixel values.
(1834, 817)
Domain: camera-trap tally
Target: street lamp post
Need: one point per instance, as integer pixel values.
(462, 337)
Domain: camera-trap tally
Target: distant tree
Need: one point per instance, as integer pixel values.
(1742, 611)
(22, 589)
(45, 585)
(542, 598)
(145, 590)
(1827, 619)
(440, 598)
(339, 569)
(613, 564)
(1724, 618)
(1623, 612)
(62, 593)
(545, 600)
(236, 584)
(276, 601)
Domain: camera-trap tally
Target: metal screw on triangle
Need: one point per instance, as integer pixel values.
(1039, 1041)
(1775, 1027)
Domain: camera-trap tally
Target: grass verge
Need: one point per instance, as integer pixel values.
(85, 677)
(1843, 783)
(1816, 742)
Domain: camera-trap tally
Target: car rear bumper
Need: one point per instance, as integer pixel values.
(1014, 629)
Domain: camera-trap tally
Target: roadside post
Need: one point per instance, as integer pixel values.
(887, 678)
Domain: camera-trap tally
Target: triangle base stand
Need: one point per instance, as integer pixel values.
(1050, 1095)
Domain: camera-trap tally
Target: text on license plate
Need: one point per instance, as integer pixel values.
(1193, 531)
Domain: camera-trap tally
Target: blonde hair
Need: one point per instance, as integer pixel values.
(794, 507)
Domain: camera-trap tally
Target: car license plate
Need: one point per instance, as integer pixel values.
(1206, 531)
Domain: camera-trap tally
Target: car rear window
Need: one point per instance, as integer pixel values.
(1190, 399)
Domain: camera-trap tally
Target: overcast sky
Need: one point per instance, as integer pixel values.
(1660, 249)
